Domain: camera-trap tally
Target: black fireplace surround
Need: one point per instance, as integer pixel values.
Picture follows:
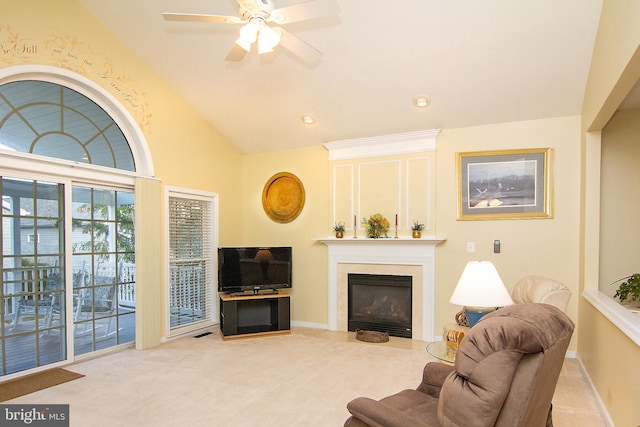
(380, 302)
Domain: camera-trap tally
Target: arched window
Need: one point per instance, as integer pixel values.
(47, 119)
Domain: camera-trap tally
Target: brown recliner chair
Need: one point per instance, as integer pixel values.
(505, 374)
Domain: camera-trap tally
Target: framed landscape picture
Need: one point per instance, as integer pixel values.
(507, 184)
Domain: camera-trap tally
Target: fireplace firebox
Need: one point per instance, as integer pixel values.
(380, 302)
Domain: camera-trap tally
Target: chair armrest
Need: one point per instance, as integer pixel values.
(433, 375)
(378, 414)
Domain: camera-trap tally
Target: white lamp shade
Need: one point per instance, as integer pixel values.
(480, 286)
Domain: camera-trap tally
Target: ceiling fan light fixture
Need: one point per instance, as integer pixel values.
(244, 43)
(267, 40)
(248, 34)
(421, 101)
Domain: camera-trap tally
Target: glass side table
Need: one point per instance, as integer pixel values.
(441, 351)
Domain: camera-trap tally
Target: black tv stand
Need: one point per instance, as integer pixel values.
(254, 315)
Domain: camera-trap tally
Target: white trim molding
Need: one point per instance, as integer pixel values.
(385, 145)
(624, 319)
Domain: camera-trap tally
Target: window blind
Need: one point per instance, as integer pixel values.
(190, 260)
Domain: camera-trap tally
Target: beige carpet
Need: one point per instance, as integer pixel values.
(32, 383)
(290, 380)
(304, 379)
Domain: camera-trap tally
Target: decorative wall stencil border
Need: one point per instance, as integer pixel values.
(68, 52)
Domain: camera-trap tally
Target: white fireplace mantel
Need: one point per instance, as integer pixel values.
(391, 251)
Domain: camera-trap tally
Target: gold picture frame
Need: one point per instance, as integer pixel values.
(505, 184)
(283, 197)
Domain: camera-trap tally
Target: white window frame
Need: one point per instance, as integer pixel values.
(213, 318)
(69, 173)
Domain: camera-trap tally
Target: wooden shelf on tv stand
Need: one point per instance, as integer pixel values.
(254, 315)
(252, 295)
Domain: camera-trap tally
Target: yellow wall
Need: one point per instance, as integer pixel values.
(615, 63)
(615, 68)
(611, 360)
(310, 165)
(547, 247)
(186, 150)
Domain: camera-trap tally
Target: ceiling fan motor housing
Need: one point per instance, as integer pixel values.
(255, 9)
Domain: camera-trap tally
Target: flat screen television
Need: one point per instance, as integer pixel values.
(242, 269)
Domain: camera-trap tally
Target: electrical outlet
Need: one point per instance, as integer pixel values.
(471, 247)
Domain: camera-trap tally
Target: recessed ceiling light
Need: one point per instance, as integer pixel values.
(307, 119)
(421, 101)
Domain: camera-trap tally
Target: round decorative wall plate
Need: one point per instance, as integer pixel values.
(283, 197)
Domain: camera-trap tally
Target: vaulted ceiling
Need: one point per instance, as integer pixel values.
(479, 62)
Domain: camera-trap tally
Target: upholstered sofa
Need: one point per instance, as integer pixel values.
(505, 374)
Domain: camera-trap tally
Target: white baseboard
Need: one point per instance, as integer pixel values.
(310, 325)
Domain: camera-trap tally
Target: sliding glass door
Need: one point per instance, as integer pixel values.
(103, 268)
(33, 330)
(99, 288)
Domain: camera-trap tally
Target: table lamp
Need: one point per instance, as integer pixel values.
(480, 290)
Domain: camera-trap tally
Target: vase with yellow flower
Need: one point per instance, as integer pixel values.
(377, 226)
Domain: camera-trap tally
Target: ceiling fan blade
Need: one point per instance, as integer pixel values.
(304, 11)
(236, 54)
(298, 47)
(196, 17)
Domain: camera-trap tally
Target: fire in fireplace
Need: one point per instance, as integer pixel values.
(380, 302)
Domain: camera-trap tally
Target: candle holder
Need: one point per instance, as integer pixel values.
(396, 236)
(355, 227)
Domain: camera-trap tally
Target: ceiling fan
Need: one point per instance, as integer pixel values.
(262, 22)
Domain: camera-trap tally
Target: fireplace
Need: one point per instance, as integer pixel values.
(402, 257)
(380, 302)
